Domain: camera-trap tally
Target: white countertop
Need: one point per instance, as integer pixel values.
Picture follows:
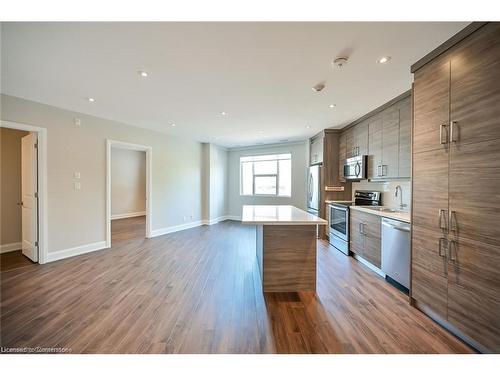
(402, 216)
(328, 202)
(278, 215)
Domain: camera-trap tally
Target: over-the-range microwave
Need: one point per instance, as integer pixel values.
(356, 168)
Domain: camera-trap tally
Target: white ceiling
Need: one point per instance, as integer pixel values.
(261, 74)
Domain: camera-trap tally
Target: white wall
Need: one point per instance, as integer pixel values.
(387, 188)
(77, 218)
(128, 182)
(218, 182)
(299, 176)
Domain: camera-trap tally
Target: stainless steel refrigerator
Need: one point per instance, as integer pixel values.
(313, 189)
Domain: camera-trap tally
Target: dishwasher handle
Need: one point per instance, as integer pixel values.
(402, 227)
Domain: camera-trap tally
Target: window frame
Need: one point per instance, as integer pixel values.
(275, 175)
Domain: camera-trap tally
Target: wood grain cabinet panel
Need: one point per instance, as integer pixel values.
(372, 230)
(404, 154)
(356, 237)
(461, 176)
(390, 142)
(349, 142)
(430, 189)
(475, 87)
(431, 92)
(365, 236)
(360, 132)
(342, 155)
(473, 291)
(374, 147)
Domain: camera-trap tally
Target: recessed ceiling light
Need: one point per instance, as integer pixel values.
(91, 100)
(308, 127)
(172, 124)
(142, 73)
(384, 59)
(332, 105)
(223, 113)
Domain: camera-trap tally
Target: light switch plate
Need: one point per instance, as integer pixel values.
(76, 175)
(78, 121)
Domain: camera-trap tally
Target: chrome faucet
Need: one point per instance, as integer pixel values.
(401, 205)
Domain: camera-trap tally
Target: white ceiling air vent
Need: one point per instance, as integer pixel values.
(318, 87)
(339, 62)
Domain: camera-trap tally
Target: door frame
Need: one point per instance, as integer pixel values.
(42, 200)
(110, 144)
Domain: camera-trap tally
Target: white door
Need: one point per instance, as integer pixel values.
(29, 201)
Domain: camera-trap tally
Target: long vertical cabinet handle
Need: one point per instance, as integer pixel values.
(452, 248)
(452, 126)
(442, 140)
(360, 228)
(379, 168)
(452, 221)
(441, 253)
(441, 221)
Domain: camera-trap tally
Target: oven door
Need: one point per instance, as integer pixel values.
(339, 221)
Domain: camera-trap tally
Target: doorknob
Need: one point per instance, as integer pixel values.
(19, 203)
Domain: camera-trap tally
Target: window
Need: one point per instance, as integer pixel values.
(266, 175)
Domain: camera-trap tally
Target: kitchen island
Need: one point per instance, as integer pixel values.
(286, 246)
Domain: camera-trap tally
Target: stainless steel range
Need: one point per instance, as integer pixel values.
(339, 217)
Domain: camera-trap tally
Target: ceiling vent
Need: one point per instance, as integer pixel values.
(339, 62)
(318, 87)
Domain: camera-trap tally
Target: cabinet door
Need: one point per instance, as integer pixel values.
(356, 237)
(475, 86)
(430, 190)
(349, 140)
(431, 102)
(474, 268)
(375, 147)
(429, 240)
(342, 156)
(361, 138)
(372, 249)
(390, 142)
(316, 150)
(404, 139)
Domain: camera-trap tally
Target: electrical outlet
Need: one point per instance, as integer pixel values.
(191, 217)
(77, 121)
(77, 186)
(184, 218)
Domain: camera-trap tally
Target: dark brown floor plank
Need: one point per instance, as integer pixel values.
(199, 291)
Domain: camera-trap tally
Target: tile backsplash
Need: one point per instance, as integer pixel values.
(387, 188)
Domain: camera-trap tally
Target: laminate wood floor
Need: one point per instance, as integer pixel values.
(198, 291)
(13, 260)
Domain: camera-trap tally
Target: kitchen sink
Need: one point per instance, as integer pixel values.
(384, 209)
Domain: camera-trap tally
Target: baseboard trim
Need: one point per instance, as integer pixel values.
(126, 216)
(215, 221)
(233, 217)
(175, 228)
(8, 247)
(74, 251)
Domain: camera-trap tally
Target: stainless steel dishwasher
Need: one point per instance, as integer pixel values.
(396, 251)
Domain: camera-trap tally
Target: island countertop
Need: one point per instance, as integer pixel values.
(278, 215)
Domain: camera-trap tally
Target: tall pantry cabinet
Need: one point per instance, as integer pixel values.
(456, 188)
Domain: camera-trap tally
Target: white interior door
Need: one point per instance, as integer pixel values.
(29, 201)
